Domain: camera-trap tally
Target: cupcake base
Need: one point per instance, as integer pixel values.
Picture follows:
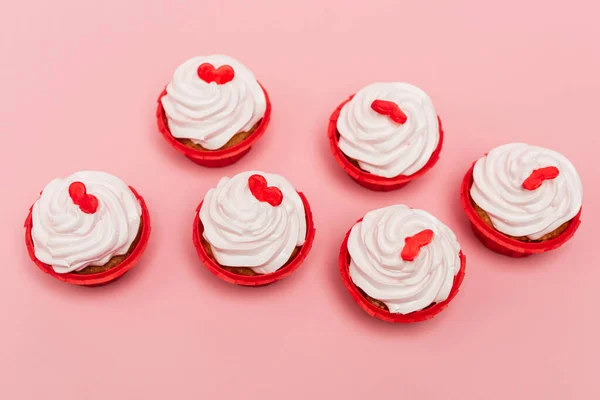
(366, 179)
(484, 216)
(242, 270)
(503, 244)
(114, 261)
(105, 275)
(373, 307)
(213, 158)
(229, 275)
(234, 141)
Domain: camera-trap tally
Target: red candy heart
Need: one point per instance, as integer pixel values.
(221, 75)
(538, 176)
(88, 203)
(389, 108)
(262, 192)
(413, 244)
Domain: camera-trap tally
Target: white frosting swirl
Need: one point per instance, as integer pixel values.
(245, 232)
(210, 114)
(380, 145)
(69, 239)
(375, 245)
(498, 189)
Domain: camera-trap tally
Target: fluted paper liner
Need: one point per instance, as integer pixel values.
(384, 315)
(366, 179)
(104, 277)
(500, 243)
(215, 158)
(258, 280)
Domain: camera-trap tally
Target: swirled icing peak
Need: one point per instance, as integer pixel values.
(253, 220)
(212, 98)
(526, 190)
(390, 129)
(84, 219)
(404, 257)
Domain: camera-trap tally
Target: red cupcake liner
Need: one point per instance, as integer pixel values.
(100, 278)
(500, 243)
(374, 311)
(216, 158)
(258, 280)
(366, 179)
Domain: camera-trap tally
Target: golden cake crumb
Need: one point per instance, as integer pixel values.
(235, 140)
(486, 218)
(113, 262)
(246, 271)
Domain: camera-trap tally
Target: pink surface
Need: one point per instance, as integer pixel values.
(80, 82)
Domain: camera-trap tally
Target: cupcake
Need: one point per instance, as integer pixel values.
(87, 229)
(213, 110)
(401, 264)
(253, 229)
(386, 135)
(522, 199)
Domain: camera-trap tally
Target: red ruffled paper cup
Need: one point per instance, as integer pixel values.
(384, 315)
(104, 277)
(503, 244)
(257, 280)
(216, 158)
(366, 179)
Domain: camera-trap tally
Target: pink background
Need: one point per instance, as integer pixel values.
(80, 81)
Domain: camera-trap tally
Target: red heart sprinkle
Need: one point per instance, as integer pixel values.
(389, 108)
(88, 203)
(538, 176)
(262, 192)
(413, 244)
(221, 75)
